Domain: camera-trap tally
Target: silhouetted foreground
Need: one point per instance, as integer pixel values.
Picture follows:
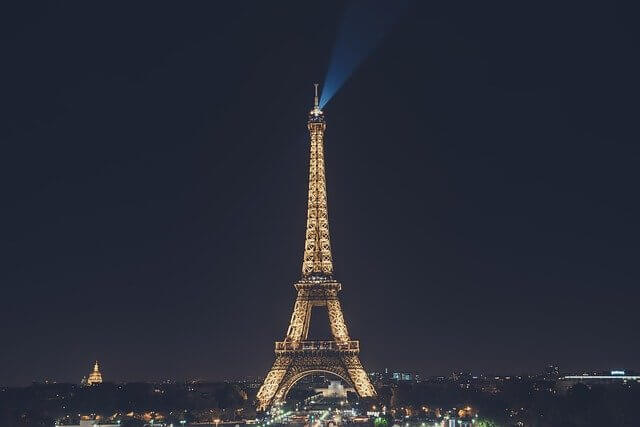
(43, 404)
(516, 402)
(521, 402)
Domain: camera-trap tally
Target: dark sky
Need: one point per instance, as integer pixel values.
(482, 176)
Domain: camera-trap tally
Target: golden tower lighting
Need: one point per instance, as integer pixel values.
(95, 377)
(296, 356)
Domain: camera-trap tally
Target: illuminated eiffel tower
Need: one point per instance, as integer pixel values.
(297, 357)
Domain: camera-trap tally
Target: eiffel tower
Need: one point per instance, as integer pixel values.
(296, 356)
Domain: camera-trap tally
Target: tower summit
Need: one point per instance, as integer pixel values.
(316, 111)
(297, 356)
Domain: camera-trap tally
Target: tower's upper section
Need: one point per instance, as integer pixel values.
(317, 248)
(315, 115)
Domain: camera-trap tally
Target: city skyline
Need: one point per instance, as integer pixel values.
(481, 178)
(388, 373)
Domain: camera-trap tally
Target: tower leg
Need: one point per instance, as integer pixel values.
(300, 318)
(288, 370)
(272, 382)
(336, 321)
(358, 376)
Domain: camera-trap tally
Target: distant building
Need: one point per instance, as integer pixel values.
(95, 377)
(86, 421)
(399, 376)
(609, 378)
(335, 389)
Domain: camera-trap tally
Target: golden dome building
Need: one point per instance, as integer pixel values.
(95, 377)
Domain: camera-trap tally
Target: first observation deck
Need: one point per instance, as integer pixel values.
(352, 346)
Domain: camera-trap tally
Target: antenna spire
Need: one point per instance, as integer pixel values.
(315, 103)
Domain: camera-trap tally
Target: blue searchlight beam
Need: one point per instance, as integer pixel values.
(364, 24)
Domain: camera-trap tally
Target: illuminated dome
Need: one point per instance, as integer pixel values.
(95, 377)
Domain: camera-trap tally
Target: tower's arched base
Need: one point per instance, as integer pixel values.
(290, 368)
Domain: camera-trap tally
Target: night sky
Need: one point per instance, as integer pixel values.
(482, 168)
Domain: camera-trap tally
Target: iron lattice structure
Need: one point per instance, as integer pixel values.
(296, 356)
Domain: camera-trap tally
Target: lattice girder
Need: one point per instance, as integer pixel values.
(297, 357)
(336, 321)
(317, 247)
(299, 324)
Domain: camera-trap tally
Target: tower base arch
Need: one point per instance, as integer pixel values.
(288, 369)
